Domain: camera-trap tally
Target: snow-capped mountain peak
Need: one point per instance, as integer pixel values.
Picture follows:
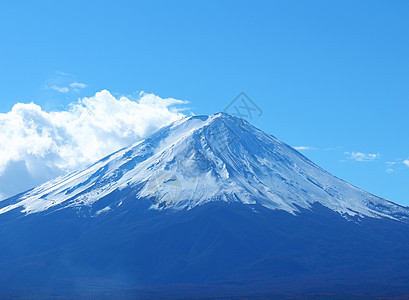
(200, 159)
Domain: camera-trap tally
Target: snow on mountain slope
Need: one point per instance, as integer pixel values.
(207, 158)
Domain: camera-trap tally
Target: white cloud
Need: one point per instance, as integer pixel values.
(389, 170)
(303, 148)
(60, 89)
(36, 145)
(359, 156)
(406, 162)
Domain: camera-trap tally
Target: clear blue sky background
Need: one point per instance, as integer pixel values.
(332, 75)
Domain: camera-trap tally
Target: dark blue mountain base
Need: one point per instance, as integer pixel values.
(217, 249)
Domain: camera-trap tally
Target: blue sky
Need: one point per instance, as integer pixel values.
(333, 76)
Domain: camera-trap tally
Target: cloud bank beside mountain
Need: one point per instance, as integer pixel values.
(36, 145)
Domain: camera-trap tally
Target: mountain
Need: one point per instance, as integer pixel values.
(203, 159)
(207, 206)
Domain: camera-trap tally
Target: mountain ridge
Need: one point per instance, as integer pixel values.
(200, 159)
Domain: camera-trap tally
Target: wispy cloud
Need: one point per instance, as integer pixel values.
(78, 85)
(397, 165)
(64, 82)
(72, 87)
(65, 74)
(362, 157)
(303, 148)
(60, 89)
(337, 148)
(389, 166)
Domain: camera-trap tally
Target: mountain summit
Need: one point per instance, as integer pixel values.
(201, 159)
(208, 206)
